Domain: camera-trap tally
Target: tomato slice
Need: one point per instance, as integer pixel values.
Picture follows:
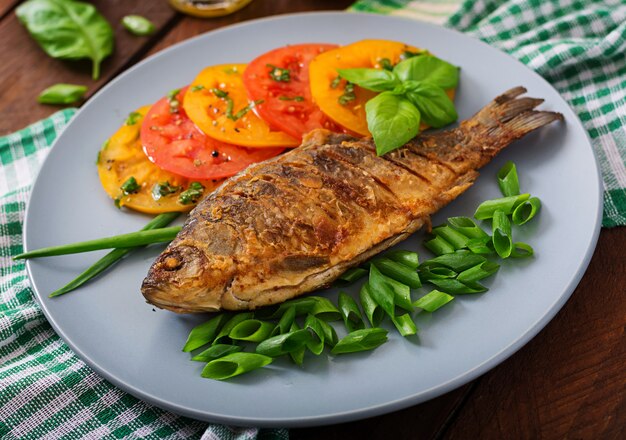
(327, 90)
(218, 104)
(174, 143)
(280, 78)
(122, 157)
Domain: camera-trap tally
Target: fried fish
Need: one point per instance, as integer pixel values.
(293, 224)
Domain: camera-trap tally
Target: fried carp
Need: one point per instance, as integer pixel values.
(294, 223)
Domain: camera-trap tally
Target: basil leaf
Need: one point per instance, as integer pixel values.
(371, 79)
(428, 68)
(392, 120)
(62, 94)
(138, 25)
(436, 108)
(68, 30)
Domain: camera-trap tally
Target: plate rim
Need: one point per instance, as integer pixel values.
(354, 414)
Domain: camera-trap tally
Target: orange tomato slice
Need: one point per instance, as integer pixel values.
(327, 90)
(122, 157)
(218, 104)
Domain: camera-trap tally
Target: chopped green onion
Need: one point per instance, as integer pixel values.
(507, 180)
(318, 306)
(285, 343)
(439, 246)
(433, 301)
(352, 275)
(284, 324)
(112, 257)
(279, 74)
(361, 340)
(316, 344)
(252, 330)
(482, 245)
(130, 240)
(231, 324)
(130, 186)
(373, 311)
(401, 293)
(297, 355)
(405, 325)
(381, 292)
(192, 194)
(522, 250)
(350, 312)
(138, 25)
(164, 189)
(399, 272)
(502, 241)
(505, 204)
(133, 118)
(452, 236)
(197, 88)
(455, 287)
(458, 261)
(526, 211)
(408, 258)
(467, 227)
(234, 364)
(348, 94)
(205, 333)
(436, 273)
(478, 272)
(216, 351)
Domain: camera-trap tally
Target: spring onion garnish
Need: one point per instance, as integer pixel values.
(436, 273)
(401, 293)
(252, 330)
(373, 311)
(197, 88)
(164, 189)
(502, 241)
(451, 236)
(130, 240)
(478, 272)
(482, 245)
(407, 258)
(457, 261)
(231, 324)
(130, 186)
(234, 364)
(285, 322)
(439, 246)
(381, 291)
(279, 74)
(522, 250)
(285, 343)
(352, 275)
(350, 312)
(433, 301)
(455, 287)
(132, 118)
(297, 354)
(291, 98)
(467, 227)
(399, 272)
(173, 100)
(526, 211)
(216, 351)
(192, 194)
(505, 204)
(361, 340)
(318, 306)
(112, 257)
(348, 94)
(206, 332)
(507, 180)
(316, 344)
(405, 325)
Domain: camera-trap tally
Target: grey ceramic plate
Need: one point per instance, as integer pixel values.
(111, 328)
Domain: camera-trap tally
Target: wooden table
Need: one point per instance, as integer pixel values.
(568, 382)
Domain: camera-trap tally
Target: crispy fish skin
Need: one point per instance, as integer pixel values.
(294, 223)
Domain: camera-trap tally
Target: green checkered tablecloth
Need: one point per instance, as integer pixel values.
(46, 391)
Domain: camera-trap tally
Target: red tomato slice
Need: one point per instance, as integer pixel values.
(173, 142)
(280, 78)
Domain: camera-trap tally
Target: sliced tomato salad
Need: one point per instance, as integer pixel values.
(279, 81)
(133, 181)
(175, 144)
(218, 104)
(345, 103)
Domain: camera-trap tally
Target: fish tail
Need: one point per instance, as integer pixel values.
(508, 117)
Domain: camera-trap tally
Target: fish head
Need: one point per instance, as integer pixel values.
(183, 280)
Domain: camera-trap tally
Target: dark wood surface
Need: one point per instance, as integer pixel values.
(568, 382)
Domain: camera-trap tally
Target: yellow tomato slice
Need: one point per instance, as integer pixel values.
(122, 157)
(326, 90)
(207, 103)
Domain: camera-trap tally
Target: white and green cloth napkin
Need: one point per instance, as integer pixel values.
(46, 391)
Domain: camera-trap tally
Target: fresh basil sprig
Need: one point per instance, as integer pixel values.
(68, 30)
(414, 91)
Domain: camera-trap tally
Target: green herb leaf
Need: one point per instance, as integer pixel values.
(192, 195)
(133, 118)
(348, 94)
(68, 30)
(62, 94)
(371, 79)
(436, 108)
(164, 189)
(279, 74)
(392, 120)
(138, 25)
(197, 88)
(130, 186)
(430, 69)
